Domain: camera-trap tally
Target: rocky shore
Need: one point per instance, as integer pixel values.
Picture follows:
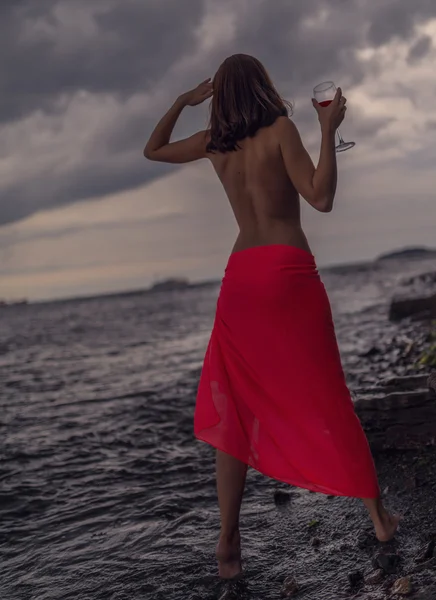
(335, 553)
(399, 414)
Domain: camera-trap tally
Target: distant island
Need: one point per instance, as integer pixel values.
(411, 252)
(169, 285)
(173, 284)
(3, 303)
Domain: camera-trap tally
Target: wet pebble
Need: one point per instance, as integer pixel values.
(355, 578)
(426, 553)
(402, 587)
(375, 577)
(366, 540)
(388, 562)
(373, 351)
(290, 587)
(281, 498)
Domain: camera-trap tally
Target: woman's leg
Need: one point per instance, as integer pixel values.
(230, 478)
(385, 524)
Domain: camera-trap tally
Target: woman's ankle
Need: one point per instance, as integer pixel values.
(229, 535)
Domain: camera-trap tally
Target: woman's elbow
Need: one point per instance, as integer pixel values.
(320, 202)
(324, 204)
(326, 208)
(150, 154)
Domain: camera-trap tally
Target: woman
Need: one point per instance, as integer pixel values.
(272, 392)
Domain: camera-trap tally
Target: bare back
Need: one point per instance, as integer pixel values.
(264, 200)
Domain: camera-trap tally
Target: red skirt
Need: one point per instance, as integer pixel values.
(272, 391)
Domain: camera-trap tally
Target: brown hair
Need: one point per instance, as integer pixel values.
(244, 100)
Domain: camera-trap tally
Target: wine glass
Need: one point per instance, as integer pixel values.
(324, 94)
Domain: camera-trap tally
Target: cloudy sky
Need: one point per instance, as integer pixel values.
(83, 83)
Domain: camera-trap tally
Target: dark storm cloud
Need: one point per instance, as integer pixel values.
(397, 18)
(299, 44)
(94, 178)
(51, 49)
(42, 57)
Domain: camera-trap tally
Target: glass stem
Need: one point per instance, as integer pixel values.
(341, 141)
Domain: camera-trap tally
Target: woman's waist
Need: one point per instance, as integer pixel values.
(272, 232)
(271, 256)
(269, 276)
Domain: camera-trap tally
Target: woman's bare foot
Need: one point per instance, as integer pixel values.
(385, 524)
(228, 553)
(386, 529)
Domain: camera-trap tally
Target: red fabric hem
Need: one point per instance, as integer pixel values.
(312, 488)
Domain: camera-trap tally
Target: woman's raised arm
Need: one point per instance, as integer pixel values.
(159, 147)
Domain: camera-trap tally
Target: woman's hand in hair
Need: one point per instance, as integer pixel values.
(199, 94)
(331, 116)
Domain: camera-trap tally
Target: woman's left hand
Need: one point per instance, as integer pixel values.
(202, 92)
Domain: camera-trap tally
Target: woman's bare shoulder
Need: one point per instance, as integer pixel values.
(285, 124)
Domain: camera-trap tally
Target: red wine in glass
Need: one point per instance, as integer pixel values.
(324, 94)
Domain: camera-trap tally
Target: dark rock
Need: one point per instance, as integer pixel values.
(366, 540)
(388, 562)
(402, 587)
(426, 278)
(424, 307)
(281, 498)
(235, 589)
(355, 578)
(375, 577)
(290, 588)
(400, 420)
(373, 351)
(429, 565)
(427, 594)
(405, 382)
(411, 483)
(431, 382)
(316, 542)
(426, 553)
